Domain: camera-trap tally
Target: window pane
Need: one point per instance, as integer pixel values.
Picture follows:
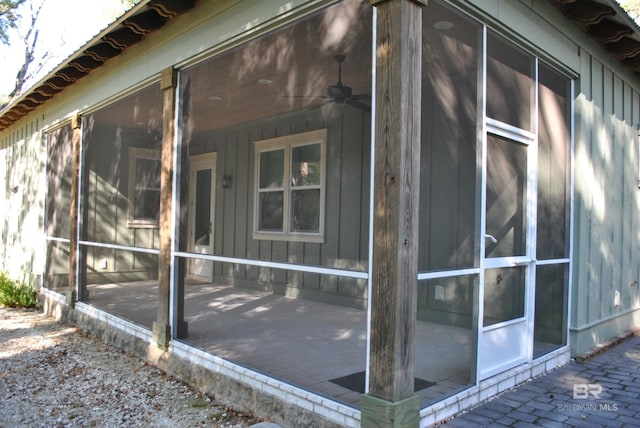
(553, 165)
(202, 231)
(449, 134)
(305, 165)
(503, 295)
(146, 202)
(305, 210)
(271, 211)
(272, 169)
(509, 83)
(147, 205)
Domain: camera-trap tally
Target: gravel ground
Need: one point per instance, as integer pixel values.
(52, 375)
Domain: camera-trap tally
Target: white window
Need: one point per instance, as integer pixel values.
(144, 188)
(290, 187)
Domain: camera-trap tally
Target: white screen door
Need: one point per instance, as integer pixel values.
(202, 179)
(505, 338)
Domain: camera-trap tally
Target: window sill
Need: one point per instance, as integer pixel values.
(289, 237)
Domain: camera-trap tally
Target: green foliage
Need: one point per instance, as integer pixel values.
(16, 295)
(8, 18)
(632, 7)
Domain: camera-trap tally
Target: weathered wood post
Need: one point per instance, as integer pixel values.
(161, 327)
(76, 125)
(391, 400)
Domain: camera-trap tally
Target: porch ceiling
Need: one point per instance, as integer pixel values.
(604, 20)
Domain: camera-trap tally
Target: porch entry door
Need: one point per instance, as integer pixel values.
(202, 187)
(505, 334)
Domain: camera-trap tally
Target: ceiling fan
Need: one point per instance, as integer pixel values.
(343, 94)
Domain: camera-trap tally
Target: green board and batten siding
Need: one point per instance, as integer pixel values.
(607, 205)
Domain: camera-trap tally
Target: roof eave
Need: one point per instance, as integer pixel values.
(129, 29)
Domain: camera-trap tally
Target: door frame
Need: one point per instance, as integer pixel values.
(196, 163)
(522, 328)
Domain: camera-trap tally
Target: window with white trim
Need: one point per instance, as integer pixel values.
(144, 188)
(290, 187)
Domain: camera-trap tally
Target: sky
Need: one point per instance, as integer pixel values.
(65, 25)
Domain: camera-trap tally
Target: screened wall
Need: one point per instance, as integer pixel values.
(495, 206)
(553, 211)
(449, 202)
(121, 204)
(57, 223)
(274, 217)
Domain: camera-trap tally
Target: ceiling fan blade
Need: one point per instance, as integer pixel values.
(360, 106)
(305, 96)
(361, 97)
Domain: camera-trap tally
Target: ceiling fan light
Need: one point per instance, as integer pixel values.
(443, 25)
(339, 92)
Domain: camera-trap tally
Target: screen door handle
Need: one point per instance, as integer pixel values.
(491, 237)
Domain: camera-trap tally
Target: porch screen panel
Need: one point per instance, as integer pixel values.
(281, 205)
(510, 83)
(122, 171)
(446, 336)
(288, 116)
(121, 204)
(550, 326)
(447, 303)
(552, 278)
(449, 133)
(553, 165)
(128, 288)
(57, 207)
(503, 295)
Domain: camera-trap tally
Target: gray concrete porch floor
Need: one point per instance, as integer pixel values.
(302, 342)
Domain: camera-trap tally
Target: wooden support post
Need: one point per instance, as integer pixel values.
(72, 294)
(162, 328)
(391, 400)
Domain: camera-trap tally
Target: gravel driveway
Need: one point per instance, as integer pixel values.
(52, 375)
